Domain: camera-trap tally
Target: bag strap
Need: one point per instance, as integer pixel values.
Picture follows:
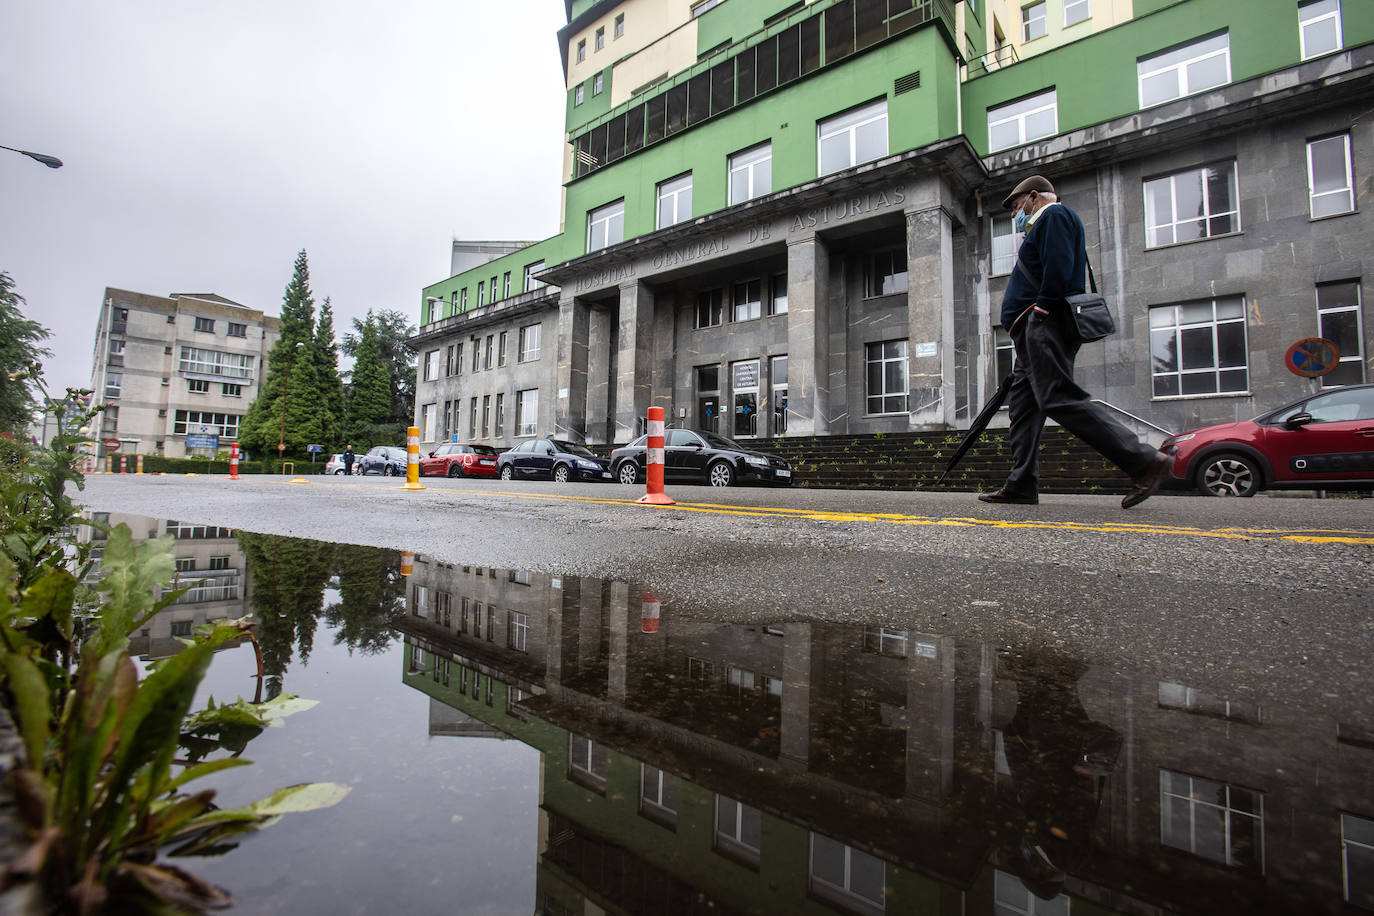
(1092, 281)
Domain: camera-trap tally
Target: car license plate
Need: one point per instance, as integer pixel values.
(487, 461)
(783, 473)
(606, 474)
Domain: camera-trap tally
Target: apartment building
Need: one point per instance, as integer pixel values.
(169, 366)
(782, 219)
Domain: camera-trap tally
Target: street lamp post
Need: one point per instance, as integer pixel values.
(285, 390)
(51, 162)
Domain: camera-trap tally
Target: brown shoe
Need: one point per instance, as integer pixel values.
(1147, 481)
(1003, 495)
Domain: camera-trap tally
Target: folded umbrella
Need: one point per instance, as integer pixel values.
(980, 423)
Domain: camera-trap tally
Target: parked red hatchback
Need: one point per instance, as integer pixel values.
(460, 459)
(1322, 442)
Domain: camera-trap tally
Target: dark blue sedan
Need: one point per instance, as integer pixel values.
(552, 459)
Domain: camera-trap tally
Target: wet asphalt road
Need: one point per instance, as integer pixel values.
(1249, 596)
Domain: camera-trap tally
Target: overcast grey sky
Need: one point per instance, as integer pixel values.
(206, 143)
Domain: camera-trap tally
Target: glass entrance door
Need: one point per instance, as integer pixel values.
(744, 385)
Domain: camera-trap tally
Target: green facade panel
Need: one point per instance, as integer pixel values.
(549, 251)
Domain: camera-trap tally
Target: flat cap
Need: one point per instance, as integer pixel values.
(1033, 183)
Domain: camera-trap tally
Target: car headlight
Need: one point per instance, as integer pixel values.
(588, 465)
(1175, 440)
(757, 461)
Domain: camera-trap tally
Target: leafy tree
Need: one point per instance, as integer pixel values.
(19, 351)
(372, 596)
(393, 330)
(369, 390)
(326, 354)
(289, 577)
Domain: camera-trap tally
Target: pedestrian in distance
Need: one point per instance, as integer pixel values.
(1050, 265)
(348, 460)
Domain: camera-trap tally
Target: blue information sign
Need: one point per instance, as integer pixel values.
(200, 440)
(314, 449)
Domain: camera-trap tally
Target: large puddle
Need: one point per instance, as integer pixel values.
(523, 742)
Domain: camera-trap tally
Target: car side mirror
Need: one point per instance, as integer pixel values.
(552, 452)
(1298, 420)
(431, 454)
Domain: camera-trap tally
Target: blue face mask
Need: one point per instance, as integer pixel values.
(1020, 221)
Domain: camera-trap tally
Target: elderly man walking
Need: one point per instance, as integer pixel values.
(1050, 265)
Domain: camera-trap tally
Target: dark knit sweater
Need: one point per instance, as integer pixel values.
(1053, 253)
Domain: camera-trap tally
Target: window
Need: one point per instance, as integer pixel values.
(230, 390)
(887, 377)
(453, 302)
(581, 50)
(517, 630)
(185, 564)
(486, 414)
(448, 360)
(109, 420)
(1005, 242)
(526, 411)
(853, 137)
(1193, 68)
(476, 353)
(463, 300)
(1021, 122)
(219, 562)
(1339, 320)
(205, 324)
(597, 84)
(505, 285)
(657, 795)
(702, 6)
(747, 300)
(1197, 204)
(710, 308)
(578, 94)
(472, 418)
(237, 330)
(448, 420)
(431, 365)
(847, 876)
(490, 349)
(181, 627)
(530, 271)
(1200, 702)
(606, 226)
(886, 273)
(1075, 11)
(198, 386)
(113, 381)
(744, 378)
(1212, 820)
(428, 415)
(1319, 27)
(1199, 348)
(116, 347)
(1330, 182)
(708, 398)
(777, 373)
(619, 26)
(737, 829)
(529, 342)
(1011, 897)
(600, 38)
(500, 415)
(216, 362)
(674, 200)
(886, 641)
(587, 761)
(751, 173)
(501, 349)
(1032, 21)
(196, 421)
(1357, 857)
(777, 302)
(458, 358)
(1005, 351)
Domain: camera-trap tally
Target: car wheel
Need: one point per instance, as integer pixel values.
(721, 474)
(506, 473)
(338, 472)
(455, 469)
(1228, 474)
(387, 471)
(561, 474)
(628, 473)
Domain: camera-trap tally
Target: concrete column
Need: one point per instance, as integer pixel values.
(930, 718)
(619, 649)
(570, 374)
(795, 724)
(634, 359)
(930, 317)
(808, 320)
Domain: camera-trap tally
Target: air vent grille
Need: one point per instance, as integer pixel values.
(906, 83)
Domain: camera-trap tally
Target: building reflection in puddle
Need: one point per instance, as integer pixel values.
(805, 767)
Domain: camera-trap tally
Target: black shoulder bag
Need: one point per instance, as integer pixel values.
(1092, 319)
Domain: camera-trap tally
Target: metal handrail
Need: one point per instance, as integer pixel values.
(1127, 413)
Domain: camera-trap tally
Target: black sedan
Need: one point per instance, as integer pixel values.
(387, 460)
(551, 459)
(698, 456)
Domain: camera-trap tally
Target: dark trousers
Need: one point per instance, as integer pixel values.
(1042, 386)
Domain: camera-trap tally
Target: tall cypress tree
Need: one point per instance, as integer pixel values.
(326, 352)
(369, 389)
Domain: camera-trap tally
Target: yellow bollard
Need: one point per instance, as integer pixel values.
(140, 464)
(413, 459)
(407, 562)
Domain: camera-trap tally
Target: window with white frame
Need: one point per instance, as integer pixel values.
(597, 83)
(747, 300)
(1213, 820)
(751, 173)
(886, 273)
(858, 135)
(1206, 703)
(847, 876)
(1357, 859)
(1340, 320)
(1011, 897)
(1330, 177)
(530, 271)
(657, 795)
(517, 631)
(505, 285)
(710, 308)
(777, 300)
(1199, 348)
(1033, 20)
(600, 39)
(581, 50)
(579, 93)
(1019, 122)
(1196, 204)
(220, 424)
(606, 225)
(619, 26)
(1005, 351)
(1319, 27)
(526, 411)
(886, 641)
(431, 365)
(587, 761)
(674, 200)
(529, 342)
(216, 362)
(887, 377)
(429, 413)
(1195, 67)
(701, 6)
(737, 829)
(1005, 243)
(500, 423)
(1076, 11)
